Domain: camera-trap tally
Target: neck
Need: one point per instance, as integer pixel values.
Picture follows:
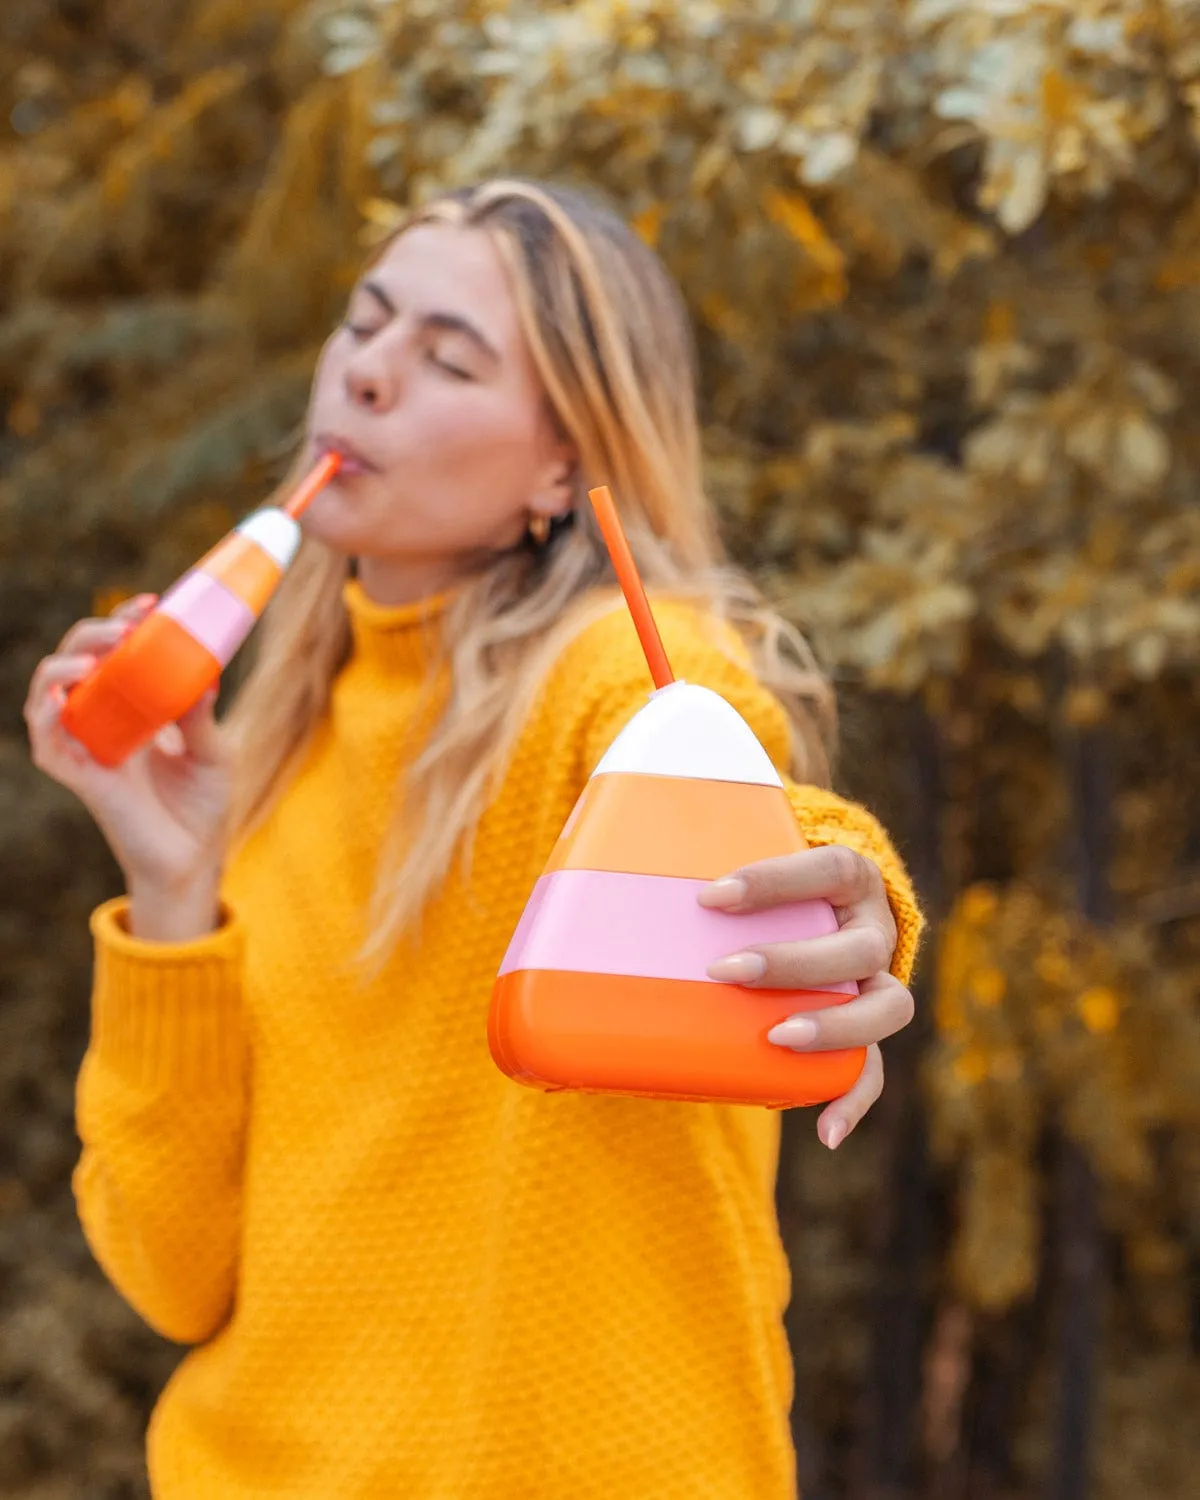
(393, 581)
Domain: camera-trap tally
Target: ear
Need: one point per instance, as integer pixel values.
(555, 487)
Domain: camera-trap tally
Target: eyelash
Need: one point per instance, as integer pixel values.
(454, 371)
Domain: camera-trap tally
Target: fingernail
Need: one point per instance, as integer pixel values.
(738, 968)
(725, 892)
(796, 1031)
(836, 1134)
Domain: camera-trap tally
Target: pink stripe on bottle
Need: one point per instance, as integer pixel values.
(647, 926)
(182, 582)
(207, 610)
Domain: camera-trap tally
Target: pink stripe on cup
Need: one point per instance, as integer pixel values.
(647, 926)
(207, 610)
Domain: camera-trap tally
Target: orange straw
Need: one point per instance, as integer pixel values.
(315, 480)
(631, 586)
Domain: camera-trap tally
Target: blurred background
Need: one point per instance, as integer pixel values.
(944, 264)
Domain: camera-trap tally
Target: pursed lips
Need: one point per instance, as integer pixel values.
(353, 462)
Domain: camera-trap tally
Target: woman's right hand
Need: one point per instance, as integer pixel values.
(164, 811)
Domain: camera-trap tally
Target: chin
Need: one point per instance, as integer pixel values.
(330, 521)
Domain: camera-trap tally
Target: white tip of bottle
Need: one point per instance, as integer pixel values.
(276, 533)
(686, 730)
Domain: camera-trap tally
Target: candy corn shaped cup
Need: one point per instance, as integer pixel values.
(166, 664)
(604, 985)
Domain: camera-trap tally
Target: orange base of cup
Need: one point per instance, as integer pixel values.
(661, 1039)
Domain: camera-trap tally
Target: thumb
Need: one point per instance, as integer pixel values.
(200, 731)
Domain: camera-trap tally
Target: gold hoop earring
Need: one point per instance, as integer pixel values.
(539, 529)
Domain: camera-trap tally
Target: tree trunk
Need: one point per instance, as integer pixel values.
(1078, 1235)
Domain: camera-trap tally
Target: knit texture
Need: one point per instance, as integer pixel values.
(405, 1274)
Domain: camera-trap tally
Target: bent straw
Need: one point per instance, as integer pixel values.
(631, 586)
(315, 480)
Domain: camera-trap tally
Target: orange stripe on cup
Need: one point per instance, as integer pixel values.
(669, 825)
(661, 1038)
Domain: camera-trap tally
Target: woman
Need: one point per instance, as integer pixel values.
(404, 1273)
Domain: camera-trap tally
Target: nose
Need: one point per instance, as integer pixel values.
(369, 383)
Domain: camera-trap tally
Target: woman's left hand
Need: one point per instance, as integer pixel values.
(861, 949)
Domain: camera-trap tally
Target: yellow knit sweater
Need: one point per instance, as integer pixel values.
(406, 1275)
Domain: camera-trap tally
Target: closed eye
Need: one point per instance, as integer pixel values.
(456, 372)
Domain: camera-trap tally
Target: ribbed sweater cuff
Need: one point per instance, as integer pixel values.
(168, 1014)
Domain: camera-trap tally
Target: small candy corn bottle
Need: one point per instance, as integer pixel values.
(166, 664)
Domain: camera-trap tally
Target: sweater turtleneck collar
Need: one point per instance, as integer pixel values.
(400, 638)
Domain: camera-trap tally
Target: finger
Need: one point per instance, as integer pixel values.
(855, 951)
(95, 636)
(169, 740)
(136, 608)
(106, 630)
(199, 732)
(55, 671)
(834, 873)
(883, 1008)
(50, 744)
(838, 1119)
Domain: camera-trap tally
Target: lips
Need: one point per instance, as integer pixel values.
(353, 461)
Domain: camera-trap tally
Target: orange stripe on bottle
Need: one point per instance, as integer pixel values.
(156, 674)
(244, 569)
(681, 826)
(661, 1038)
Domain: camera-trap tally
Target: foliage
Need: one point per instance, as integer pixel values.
(943, 259)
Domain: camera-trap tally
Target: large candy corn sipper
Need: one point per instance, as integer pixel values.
(604, 986)
(166, 664)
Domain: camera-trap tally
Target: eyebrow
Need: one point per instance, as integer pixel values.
(447, 322)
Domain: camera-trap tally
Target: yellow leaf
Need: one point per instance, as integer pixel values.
(988, 987)
(1098, 258)
(131, 103)
(382, 212)
(793, 215)
(1086, 706)
(978, 906)
(971, 1066)
(723, 316)
(24, 417)
(1099, 1009)
(1007, 1065)
(1058, 96)
(947, 1011)
(1052, 967)
(648, 224)
(1177, 271)
(1000, 323)
(105, 600)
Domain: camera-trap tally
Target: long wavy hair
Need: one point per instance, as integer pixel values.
(610, 336)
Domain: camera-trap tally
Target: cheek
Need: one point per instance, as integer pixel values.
(475, 434)
(464, 416)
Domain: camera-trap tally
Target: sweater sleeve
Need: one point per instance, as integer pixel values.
(607, 674)
(161, 1110)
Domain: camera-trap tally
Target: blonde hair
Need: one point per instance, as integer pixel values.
(610, 337)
